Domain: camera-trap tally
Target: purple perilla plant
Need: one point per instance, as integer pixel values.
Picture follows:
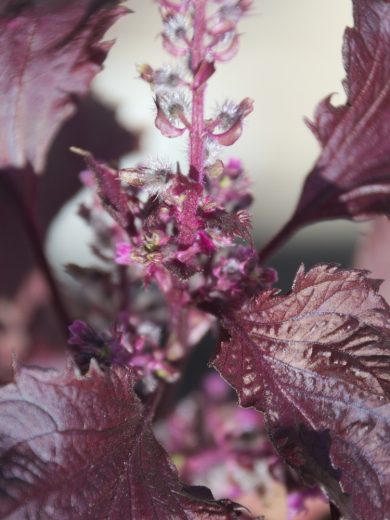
(185, 235)
(177, 259)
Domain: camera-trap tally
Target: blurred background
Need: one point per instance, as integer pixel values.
(289, 59)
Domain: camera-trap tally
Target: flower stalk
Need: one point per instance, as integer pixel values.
(197, 130)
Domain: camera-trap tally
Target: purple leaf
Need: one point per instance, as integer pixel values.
(113, 197)
(50, 53)
(317, 363)
(82, 447)
(351, 178)
(93, 127)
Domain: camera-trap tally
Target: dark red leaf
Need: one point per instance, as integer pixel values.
(93, 127)
(110, 191)
(82, 448)
(50, 51)
(351, 178)
(317, 363)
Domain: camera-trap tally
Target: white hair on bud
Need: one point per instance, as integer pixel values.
(152, 178)
(176, 27)
(212, 150)
(226, 114)
(173, 103)
(168, 77)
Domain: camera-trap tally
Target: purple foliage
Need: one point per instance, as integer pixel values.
(50, 53)
(311, 368)
(350, 179)
(75, 447)
(316, 363)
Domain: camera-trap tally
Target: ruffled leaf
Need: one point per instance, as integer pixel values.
(83, 447)
(50, 53)
(351, 178)
(317, 363)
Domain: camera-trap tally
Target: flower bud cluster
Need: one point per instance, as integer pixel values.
(150, 340)
(224, 269)
(221, 34)
(231, 188)
(133, 343)
(185, 237)
(176, 89)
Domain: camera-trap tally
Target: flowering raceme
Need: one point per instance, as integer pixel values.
(176, 262)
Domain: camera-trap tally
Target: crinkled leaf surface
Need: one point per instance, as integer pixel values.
(82, 447)
(351, 178)
(317, 363)
(50, 51)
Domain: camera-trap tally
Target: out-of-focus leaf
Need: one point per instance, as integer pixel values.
(82, 447)
(94, 128)
(317, 363)
(16, 319)
(351, 178)
(50, 51)
(373, 253)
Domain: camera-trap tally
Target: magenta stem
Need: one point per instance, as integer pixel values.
(197, 149)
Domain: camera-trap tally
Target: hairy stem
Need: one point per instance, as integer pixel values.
(197, 150)
(30, 225)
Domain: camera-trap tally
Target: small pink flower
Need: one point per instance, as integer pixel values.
(122, 254)
(234, 163)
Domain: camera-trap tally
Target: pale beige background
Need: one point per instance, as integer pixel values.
(290, 58)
